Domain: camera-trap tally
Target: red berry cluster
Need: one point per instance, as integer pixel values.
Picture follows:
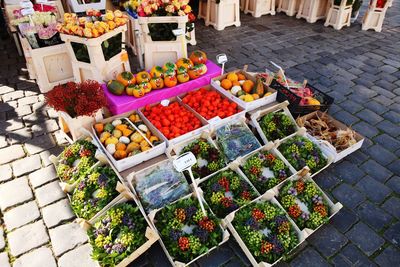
(270, 157)
(183, 243)
(246, 195)
(294, 211)
(85, 153)
(299, 186)
(257, 214)
(284, 227)
(266, 247)
(224, 182)
(180, 215)
(254, 170)
(226, 202)
(321, 209)
(207, 224)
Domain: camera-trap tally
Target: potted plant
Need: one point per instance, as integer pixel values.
(79, 105)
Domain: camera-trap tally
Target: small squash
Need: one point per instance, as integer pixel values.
(157, 83)
(259, 88)
(132, 146)
(138, 91)
(99, 127)
(143, 76)
(146, 87)
(126, 78)
(120, 154)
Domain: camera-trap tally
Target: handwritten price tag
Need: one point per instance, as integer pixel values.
(184, 162)
(27, 11)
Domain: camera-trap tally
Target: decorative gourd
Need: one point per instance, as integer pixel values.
(169, 66)
(259, 88)
(156, 71)
(129, 89)
(182, 75)
(198, 57)
(170, 81)
(157, 83)
(143, 76)
(138, 91)
(194, 72)
(146, 87)
(202, 68)
(184, 62)
(126, 78)
(115, 87)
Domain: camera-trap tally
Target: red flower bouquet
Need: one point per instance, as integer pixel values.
(77, 99)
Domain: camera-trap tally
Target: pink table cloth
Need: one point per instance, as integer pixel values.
(124, 103)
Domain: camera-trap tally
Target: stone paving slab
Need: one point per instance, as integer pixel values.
(14, 192)
(67, 237)
(21, 215)
(41, 257)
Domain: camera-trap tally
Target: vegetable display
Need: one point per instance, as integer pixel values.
(304, 202)
(226, 192)
(173, 120)
(266, 231)
(265, 170)
(235, 140)
(117, 234)
(159, 186)
(94, 192)
(210, 104)
(76, 160)
(123, 140)
(323, 128)
(300, 152)
(209, 158)
(277, 125)
(185, 231)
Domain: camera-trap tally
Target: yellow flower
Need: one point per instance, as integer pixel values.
(181, 13)
(147, 10)
(170, 9)
(187, 9)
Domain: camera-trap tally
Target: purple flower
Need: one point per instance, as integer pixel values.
(175, 234)
(261, 156)
(190, 211)
(282, 174)
(201, 234)
(317, 199)
(262, 178)
(299, 143)
(280, 219)
(118, 248)
(216, 187)
(108, 248)
(252, 223)
(292, 191)
(128, 221)
(102, 180)
(81, 186)
(305, 216)
(278, 248)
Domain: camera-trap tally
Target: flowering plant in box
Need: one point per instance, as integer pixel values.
(117, 234)
(301, 152)
(209, 159)
(94, 192)
(185, 231)
(77, 99)
(265, 170)
(76, 160)
(226, 192)
(304, 203)
(277, 125)
(265, 230)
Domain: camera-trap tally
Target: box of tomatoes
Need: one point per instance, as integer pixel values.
(174, 120)
(244, 89)
(212, 105)
(128, 139)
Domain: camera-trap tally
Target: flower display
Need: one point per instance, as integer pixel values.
(304, 202)
(277, 125)
(94, 192)
(265, 170)
(265, 230)
(159, 186)
(117, 234)
(301, 152)
(38, 19)
(77, 99)
(235, 140)
(185, 231)
(76, 160)
(226, 192)
(209, 158)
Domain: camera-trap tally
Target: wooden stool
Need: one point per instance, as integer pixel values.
(257, 8)
(224, 14)
(373, 18)
(312, 10)
(290, 7)
(339, 16)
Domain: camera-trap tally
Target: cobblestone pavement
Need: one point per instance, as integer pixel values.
(360, 69)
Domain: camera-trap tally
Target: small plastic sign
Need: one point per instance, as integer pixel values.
(178, 32)
(41, 1)
(222, 58)
(214, 120)
(25, 4)
(184, 161)
(164, 102)
(27, 11)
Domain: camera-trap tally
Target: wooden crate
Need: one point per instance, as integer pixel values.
(312, 10)
(203, 9)
(224, 14)
(290, 7)
(374, 16)
(26, 47)
(257, 8)
(339, 16)
(99, 68)
(76, 7)
(156, 53)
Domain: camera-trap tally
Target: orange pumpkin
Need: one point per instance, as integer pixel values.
(194, 73)
(182, 78)
(157, 83)
(169, 66)
(156, 71)
(198, 57)
(146, 86)
(170, 81)
(126, 78)
(184, 62)
(143, 76)
(138, 91)
(202, 68)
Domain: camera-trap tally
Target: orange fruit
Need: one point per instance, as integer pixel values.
(241, 76)
(120, 154)
(232, 77)
(120, 146)
(235, 83)
(247, 86)
(226, 84)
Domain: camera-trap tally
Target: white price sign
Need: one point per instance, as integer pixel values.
(178, 32)
(27, 11)
(214, 120)
(184, 161)
(222, 58)
(165, 103)
(41, 1)
(26, 4)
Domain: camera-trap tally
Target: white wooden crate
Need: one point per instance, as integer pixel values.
(257, 8)
(338, 16)
(224, 14)
(312, 10)
(374, 16)
(98, 69)
(290, 7)
(82, 7)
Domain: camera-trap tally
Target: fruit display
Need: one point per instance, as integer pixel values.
(93, 25)
(159, 77)
(245, 89)
(122, 140)
(210, 104)
(173, 120)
